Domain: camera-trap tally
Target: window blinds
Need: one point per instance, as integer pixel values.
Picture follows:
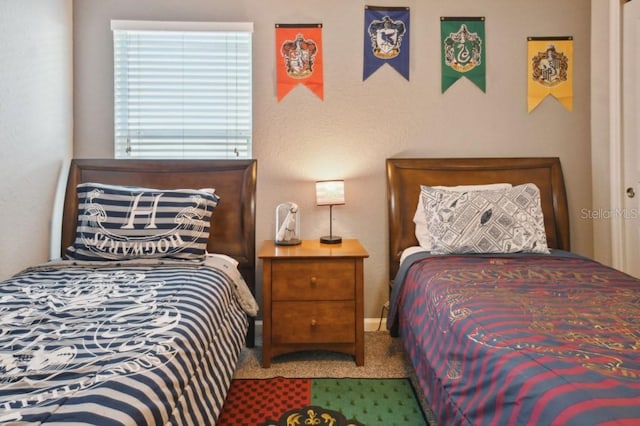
(182, 90)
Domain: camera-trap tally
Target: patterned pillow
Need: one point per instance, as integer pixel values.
(505, 221)
(122, 222)
(420, 216)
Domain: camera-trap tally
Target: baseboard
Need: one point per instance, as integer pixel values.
(370, 324)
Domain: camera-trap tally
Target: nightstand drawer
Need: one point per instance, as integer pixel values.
(303, 279)
(313, 322)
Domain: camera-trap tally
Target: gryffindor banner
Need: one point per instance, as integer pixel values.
(299, 58)
(550, 70)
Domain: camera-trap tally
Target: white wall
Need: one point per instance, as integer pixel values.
(360, 124)
(35, 123)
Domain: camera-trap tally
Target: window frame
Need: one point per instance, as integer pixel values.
(193, 128)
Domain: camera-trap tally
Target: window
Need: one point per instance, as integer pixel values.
(182, 89)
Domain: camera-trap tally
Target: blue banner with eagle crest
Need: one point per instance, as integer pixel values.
(386, 39)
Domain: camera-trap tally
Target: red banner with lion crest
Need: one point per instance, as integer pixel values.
(299, 58)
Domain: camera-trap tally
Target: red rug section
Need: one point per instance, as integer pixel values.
(263, 399)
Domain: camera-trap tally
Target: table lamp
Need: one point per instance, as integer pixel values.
(330, 193)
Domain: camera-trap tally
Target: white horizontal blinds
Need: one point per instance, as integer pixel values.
(182, 93)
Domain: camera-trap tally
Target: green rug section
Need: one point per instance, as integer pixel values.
(385, 402)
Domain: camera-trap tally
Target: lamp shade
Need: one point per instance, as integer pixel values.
(329, 192)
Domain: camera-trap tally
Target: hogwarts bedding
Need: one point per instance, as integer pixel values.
(522, 339)
(133, 343)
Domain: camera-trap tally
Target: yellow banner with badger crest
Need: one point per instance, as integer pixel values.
(550, 70)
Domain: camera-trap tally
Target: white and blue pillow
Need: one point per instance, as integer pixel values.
(123, 223)
(420, 217)
(500, 221)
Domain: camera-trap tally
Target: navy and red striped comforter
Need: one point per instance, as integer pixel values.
(513, 340)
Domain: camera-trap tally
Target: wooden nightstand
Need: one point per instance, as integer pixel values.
(312, 298)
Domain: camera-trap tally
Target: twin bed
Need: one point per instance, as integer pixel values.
(512, 334)
(145, 323)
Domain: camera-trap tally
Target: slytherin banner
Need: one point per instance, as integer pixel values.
(386, 39)
(550, 70)
(299, 58)
(463, 51)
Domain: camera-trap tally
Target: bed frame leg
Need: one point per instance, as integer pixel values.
(394, 331)
(250, 340)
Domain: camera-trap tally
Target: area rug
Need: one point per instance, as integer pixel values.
(321, 401)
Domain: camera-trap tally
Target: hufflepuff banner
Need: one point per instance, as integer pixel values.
(299, 58)
(550, 70)
(463, 51)
(386, 39)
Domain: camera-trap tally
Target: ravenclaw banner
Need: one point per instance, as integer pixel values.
(550, 70)
(463, 51)
(299, 58)
(386, 39)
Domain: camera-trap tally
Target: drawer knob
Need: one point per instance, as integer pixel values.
(314, 281)
(314, 323)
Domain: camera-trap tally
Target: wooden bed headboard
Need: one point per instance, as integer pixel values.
(233, 222)
(405, 175)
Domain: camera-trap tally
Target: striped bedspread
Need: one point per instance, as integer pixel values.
(540, 340)
(147, 344)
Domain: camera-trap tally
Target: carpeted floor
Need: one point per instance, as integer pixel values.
(384, 358)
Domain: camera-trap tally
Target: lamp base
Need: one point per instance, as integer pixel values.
(330, 239)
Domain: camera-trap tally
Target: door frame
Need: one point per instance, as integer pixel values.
(615, 131)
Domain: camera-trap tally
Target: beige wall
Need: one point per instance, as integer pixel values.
(360, 124)
(35, 123)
